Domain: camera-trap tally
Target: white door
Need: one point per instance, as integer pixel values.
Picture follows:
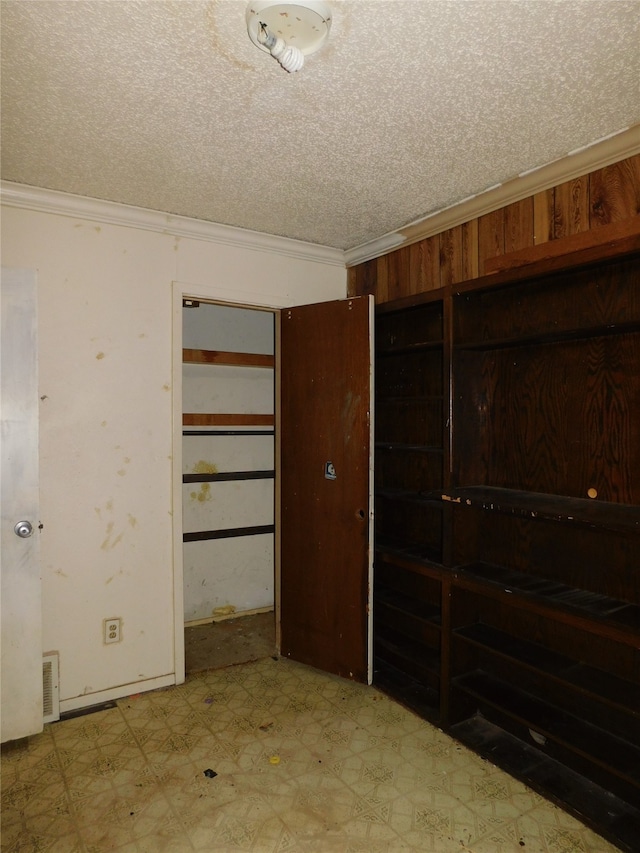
(21, 693)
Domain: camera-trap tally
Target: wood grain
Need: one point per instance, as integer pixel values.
(226, 419)
(543, 216)
(470, 267)
(325, 408)
(451, 256)
(615, 192)
(596, 239)
(490, 236)
(518, 225)
(424, 266)
(578, 207)
(239, 359)
(571, 208)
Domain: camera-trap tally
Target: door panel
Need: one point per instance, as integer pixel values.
(326, 512)
(22, 711)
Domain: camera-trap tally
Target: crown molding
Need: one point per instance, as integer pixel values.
(577, 163)
(114, 213)
(374, 248)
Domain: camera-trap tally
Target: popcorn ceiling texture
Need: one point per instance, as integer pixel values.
(411, 106)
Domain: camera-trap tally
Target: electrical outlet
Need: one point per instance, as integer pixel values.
(112, 630)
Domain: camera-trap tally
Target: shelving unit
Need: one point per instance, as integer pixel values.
(532, 649)
(216, 419)
(228, 461)
(227, 359)
(410, 456)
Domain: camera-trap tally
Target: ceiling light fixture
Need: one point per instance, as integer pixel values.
(288, 31)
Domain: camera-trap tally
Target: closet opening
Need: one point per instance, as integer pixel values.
(228, 483)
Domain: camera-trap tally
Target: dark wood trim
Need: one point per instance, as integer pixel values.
(228, 359)
(486, 581)
(591, 513)
(613, 250)
(229, 533)
(225, 419)
(600, 243)
(239, 432)
(226, 476)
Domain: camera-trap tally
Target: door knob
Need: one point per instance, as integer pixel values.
(23, 529)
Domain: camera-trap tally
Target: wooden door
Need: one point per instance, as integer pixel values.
(325, 426)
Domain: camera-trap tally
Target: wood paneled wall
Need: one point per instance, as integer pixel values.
(599, 198)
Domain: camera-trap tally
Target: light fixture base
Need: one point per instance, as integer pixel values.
(304, 24)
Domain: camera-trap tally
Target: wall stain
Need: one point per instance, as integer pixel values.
(133, 521)
(203, 467)
(166, 387)
(108, 507)
(108, 544)
(225, 610)
(60, 573)
(203, 495)
(100, 356)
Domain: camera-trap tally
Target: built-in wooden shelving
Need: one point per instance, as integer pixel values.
(507, 569)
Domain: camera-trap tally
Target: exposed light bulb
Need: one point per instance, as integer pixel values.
(288, 29)
(287, 55)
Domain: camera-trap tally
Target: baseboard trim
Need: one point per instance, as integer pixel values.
(87, 699)
(194, 623)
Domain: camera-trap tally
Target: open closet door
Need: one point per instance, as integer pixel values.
(325, 426)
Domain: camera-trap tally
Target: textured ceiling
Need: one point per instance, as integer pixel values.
(411, 106)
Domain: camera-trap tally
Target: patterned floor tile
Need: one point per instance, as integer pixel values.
(295, 760)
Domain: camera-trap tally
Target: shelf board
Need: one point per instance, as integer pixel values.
(407, 448)
(563, 255)
(227, 476)
(228, 533)
(226, 419)
(429, 497)
(616, 756)
(590, 513)
(407, 303)
(423, 700)
(609, 815)
(406, 349)
(237, 432)
(407, 655)
(595, 244)
(406, 604)
(595, 613)
(417, 558)
(616, 692)
(551, 337)
(228, 359)
(405, 398)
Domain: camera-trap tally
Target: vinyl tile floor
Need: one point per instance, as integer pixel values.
(299, 761)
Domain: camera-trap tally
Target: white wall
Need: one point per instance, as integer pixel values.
(105, 354)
